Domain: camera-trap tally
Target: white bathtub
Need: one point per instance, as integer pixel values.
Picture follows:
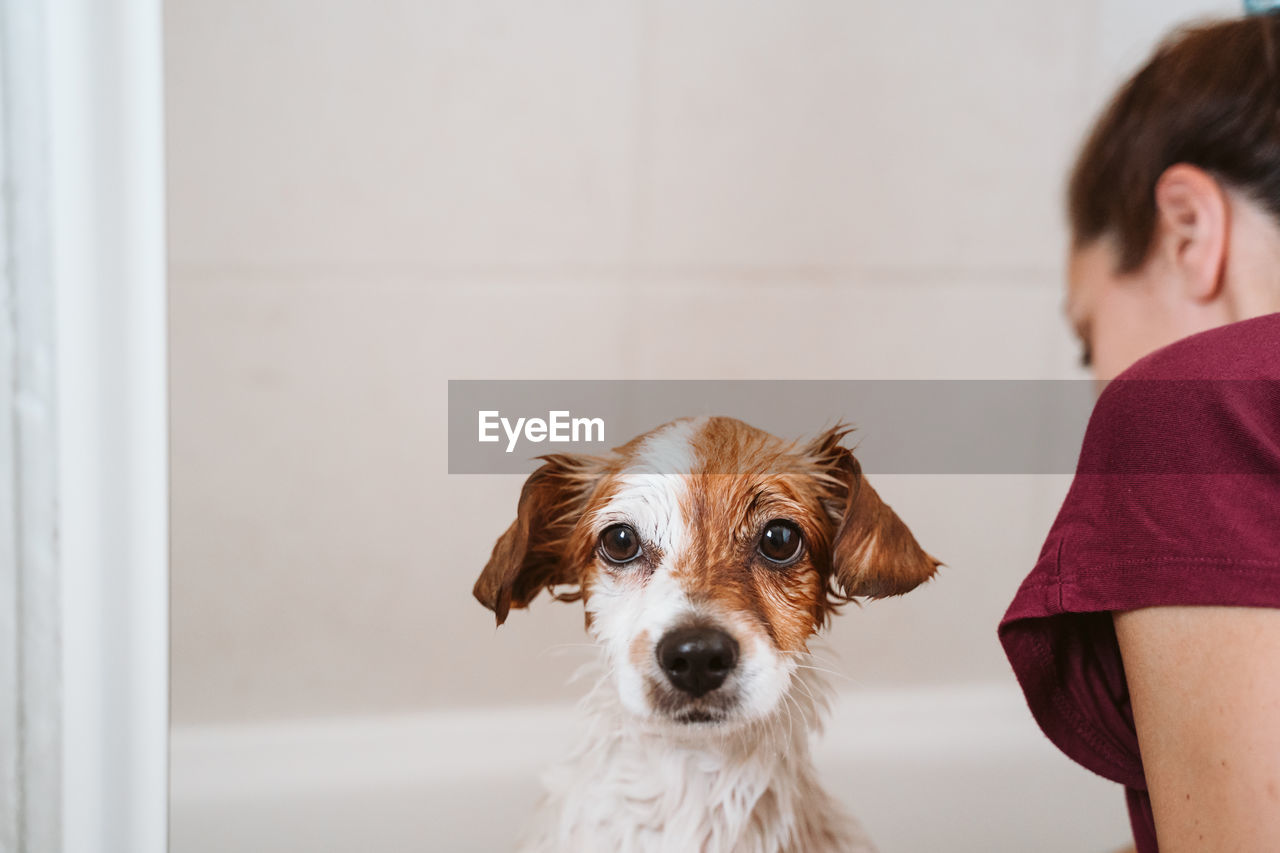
(944, 769)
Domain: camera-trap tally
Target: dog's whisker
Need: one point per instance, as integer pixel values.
(826, 671)
(564, 649)
(789, 703)
(815, 658)
(805, 687)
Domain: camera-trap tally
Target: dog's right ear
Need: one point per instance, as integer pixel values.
(534, 552)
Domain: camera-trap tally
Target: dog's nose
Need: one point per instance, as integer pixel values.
(697, 660)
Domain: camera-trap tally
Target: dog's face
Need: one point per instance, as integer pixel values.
(708, 553)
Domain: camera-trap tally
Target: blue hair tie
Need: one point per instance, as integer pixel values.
(1261, 7)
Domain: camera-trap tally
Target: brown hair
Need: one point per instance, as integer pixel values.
(1210, 97)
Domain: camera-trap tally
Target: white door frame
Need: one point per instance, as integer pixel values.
(84, 466)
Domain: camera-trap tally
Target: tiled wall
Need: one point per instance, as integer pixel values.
(368, 199)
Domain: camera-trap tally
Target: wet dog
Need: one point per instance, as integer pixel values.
(707, 553)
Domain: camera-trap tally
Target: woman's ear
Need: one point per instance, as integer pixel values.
(534, 553)
(874, 554)
(1192, 227)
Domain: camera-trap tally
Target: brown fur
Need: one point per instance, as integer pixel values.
(535, 553)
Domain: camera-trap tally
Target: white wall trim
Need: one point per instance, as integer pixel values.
(84, 462)
(30, 676)
(107, 133)
(10, 741)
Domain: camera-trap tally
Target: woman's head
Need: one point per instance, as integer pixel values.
(1174, 202)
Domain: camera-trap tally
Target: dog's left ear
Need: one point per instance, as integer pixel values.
(533, 554)
(874, 554)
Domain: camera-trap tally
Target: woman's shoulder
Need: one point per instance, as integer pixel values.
(1207, 404)
(1248, 349)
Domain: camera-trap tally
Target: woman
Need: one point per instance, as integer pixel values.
(1147, 638)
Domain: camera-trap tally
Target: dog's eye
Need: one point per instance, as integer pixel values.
(620, 544)
(780, 541)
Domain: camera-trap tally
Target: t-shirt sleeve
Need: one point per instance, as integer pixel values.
(1176, 501)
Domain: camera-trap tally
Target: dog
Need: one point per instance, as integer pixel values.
(708, 553)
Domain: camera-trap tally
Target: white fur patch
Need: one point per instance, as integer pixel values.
(631, 787)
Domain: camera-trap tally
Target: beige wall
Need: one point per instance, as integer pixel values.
(370, 198)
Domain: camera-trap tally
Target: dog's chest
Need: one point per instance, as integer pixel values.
(634, 795)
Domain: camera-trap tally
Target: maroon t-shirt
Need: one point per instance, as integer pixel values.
(1176, 501)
